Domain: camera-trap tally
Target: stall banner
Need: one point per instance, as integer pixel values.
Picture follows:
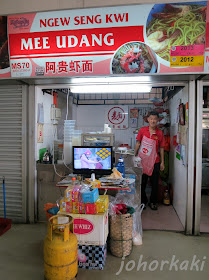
(117, 117)
(112, 40)
(4, 55)
(206, 62)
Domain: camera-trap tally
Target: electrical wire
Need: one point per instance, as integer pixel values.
(57, 173)
(55, 131)
(67, 103)
(65, 163)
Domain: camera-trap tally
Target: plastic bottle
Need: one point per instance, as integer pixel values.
(166, 199)
(68, 192)
(121, 166)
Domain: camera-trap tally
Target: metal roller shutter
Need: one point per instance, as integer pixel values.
(13, 151)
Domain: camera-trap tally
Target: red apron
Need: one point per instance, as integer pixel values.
(148, 154)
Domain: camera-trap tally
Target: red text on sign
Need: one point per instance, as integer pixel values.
(87, 19)
(117, 18)
(51, 22)
(20, 65)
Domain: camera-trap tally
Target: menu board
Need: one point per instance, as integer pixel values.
(134, 39)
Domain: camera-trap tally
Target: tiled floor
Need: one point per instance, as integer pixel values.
(204, 220)
(165, 218)
(21, 250)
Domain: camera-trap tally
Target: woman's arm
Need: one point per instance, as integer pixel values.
(137, 147)
(162, 165)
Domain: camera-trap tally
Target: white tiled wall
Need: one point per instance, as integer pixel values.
(51, 132)
(48, 129)
(92, 118)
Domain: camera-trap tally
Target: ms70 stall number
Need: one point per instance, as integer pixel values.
(20, 65)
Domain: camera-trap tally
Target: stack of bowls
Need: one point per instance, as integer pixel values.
(69, 126)
(76, 141)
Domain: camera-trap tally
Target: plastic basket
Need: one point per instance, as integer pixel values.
(48, 206)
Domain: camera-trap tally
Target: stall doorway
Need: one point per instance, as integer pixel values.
(178, 215)
(174, 216)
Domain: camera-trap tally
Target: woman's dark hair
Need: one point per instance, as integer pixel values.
(153, 113)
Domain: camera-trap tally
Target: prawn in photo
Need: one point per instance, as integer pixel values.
(134, 57)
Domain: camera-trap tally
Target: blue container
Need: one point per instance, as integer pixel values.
(91, 196)
(121, 167)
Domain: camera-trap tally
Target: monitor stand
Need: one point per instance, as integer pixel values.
(93, 177)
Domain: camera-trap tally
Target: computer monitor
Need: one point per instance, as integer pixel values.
(92, 159)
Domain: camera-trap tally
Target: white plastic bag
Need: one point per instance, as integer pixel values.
(137, 162)
(137, 226)
(128, 199)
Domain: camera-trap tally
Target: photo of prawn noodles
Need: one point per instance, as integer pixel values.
(153, 57)
(176, 25)
(147, 54)
(4, 58)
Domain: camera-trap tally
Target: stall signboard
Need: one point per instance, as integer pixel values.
(117, 117)
(158, 38)
(4, 54)
(206, 62)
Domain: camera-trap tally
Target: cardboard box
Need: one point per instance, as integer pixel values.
(81, 208)
(90, 229)
(69, 207)
(76, 207)
(63, 205)
(91, 208)
(90, 196)
(92, 257)
(68, 194)
(75, 193)
(102, 203)
(95, 184)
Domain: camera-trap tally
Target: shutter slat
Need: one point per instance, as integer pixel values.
(11, 151)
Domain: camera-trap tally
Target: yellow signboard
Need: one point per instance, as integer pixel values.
(182, 61)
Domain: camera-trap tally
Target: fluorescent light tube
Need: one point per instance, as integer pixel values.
(110, 80)
(111, 88)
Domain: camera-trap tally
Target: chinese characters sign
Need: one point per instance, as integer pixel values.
(117, 117)
(105, 41)
(72, 67)
(40, 129)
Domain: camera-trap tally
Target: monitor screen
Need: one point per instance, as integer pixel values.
(90, 159)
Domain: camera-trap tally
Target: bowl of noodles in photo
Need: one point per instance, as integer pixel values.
(4, 56)
(175, 25)
(134, 57)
